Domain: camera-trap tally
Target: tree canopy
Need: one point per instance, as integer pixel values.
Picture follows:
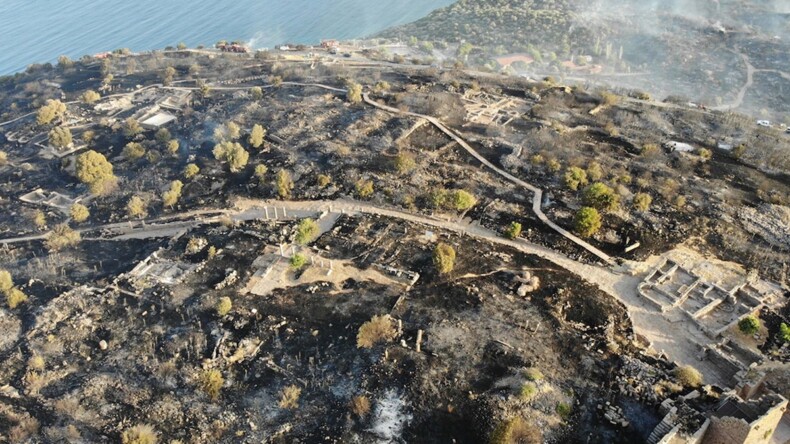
(53, 109)
(94, 170)
(587, 221)
(60, 137)
(444, 258)
(233, 154)
(601, 197)
(257, 136)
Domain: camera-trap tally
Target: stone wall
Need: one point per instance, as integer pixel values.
(729, 430)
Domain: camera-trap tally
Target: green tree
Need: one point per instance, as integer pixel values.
(601, 197)
(79, 212)
(575, 177)
(404, 163)
(364, 188)
(749, 325)
(173, 194)
(464, 49)
(224, 305)
(136, 207)
(53, 109)
(132, 128)
(181, 46)
(232, 130)
(90, 97)
(323, 180)
(513, 230)
(444, 258)
(6, 281)
(211, 380)
(784, 332)
(298, 261)
(172, 147)
(594, 171)
(62, 236)
(587, 221)
(60, 137)
(191, 170)
(284, 184)
(233, 154)
(642, 201)
(354, 92)
(256, 92)
(460, 200)
(14, 297)
(257, 136)
(553, 165)
(306, 231)
(133, 151)
(163, 135)
(64, 63)
(168, 75)
(94, 170)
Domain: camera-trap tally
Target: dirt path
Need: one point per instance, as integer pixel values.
(536, 192)
(679, 340)
(676, 339)
(680, 343)
(750, 70)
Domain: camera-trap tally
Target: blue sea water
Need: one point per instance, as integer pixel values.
(38, 31)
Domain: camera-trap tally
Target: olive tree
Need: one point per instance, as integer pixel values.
(444, 258)
(94, 170)
(354, 92)
(233, 154)
(60, 137)
(79, 212)
(257, 136)
(171, 196)
(601, 197)
(587, 221)
(284, 183)
(53, 109)
(136, 207)
(90, 97)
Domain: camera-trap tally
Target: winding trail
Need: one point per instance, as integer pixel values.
(536, 192)
(677, 339)
(750, 70)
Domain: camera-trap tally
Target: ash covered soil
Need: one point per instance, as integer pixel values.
(95, 362)
(103, 347)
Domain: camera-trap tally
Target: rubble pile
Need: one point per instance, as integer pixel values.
(771, 222)
(613, 414)
(638, 379)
